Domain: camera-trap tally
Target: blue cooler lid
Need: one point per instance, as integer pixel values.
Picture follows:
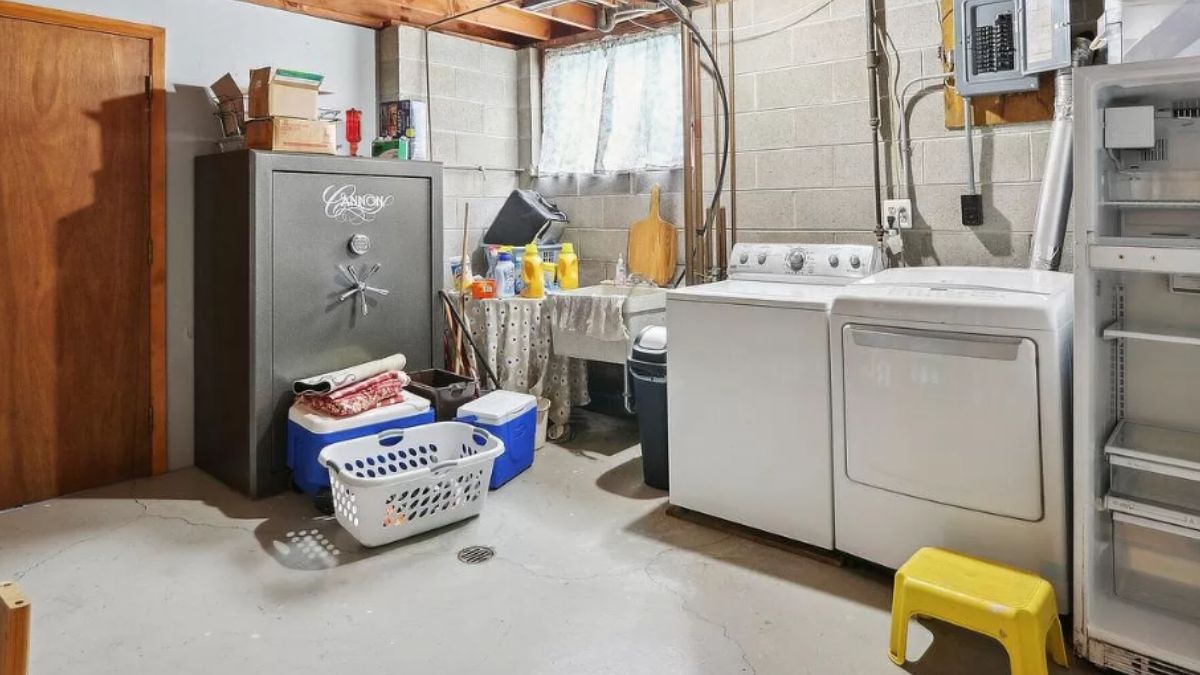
(498, 407)
(320, 423)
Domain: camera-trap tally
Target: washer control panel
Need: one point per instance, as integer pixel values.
(804, 260)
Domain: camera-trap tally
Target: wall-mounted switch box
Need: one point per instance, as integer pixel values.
(972, 210)
(1129, 127)
(987, 49)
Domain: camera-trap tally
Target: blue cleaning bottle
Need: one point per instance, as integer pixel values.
(505, 276)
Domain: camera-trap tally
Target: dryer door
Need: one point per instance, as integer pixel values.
(945, 417)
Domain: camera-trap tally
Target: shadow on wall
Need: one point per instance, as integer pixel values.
(192, 130)
(102, 336)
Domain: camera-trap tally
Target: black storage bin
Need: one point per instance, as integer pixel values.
(526, 216)
(447, 391)
(646, 370)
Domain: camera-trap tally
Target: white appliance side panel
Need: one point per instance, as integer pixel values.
(749, 418)
(945, 417)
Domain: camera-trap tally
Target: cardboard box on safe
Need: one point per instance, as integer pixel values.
(286, 134)
(277, 92)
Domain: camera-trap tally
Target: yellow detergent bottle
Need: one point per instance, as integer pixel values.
(568, 268)
(531, 273)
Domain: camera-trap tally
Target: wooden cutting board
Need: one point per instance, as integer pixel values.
(652, 244)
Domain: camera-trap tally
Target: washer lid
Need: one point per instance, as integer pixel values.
(759, 293)
(964, 296)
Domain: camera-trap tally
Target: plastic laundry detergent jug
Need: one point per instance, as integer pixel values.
(533, 284)
(568, 268)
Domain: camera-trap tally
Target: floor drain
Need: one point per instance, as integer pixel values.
(473, 555)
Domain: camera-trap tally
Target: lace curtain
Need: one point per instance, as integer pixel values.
(615, 106)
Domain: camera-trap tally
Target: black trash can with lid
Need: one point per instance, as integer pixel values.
(646, 381)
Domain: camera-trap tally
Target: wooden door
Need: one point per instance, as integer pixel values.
(79, 220)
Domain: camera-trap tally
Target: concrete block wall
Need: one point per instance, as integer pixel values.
(474, 118)
(804, 153)
(602, 208)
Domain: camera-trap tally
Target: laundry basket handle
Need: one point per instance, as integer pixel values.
(442, 467)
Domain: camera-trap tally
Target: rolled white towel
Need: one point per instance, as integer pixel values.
(323, 384)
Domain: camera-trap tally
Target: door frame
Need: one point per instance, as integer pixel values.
(157, 246)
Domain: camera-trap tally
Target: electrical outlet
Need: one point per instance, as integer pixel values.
(898, 213)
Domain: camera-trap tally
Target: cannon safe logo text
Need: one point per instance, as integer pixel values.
(345, 205)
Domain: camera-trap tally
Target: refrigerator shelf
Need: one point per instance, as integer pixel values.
(1153, 332)
(1167, 255)
(1158, 513)
(1158, 446)
(1152, 203)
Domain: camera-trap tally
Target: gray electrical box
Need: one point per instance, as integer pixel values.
(281, 243)
(1044, 34)
(987, 49)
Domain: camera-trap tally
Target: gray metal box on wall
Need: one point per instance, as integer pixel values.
(280, 241)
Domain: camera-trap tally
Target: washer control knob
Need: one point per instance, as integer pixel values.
(833, 261)
(795, 260)
(744, 258)
(359, 244)
(855, 262)
(762, 258)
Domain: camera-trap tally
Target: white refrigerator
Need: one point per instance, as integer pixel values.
(1137, 366)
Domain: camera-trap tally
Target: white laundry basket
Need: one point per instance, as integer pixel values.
(402, 482)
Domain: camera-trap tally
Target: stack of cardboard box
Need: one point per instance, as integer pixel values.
(283, 112)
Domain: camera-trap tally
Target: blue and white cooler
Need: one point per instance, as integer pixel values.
(512, 418)
(308, 432)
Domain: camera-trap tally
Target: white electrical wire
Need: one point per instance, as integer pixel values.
(784, 21)
(905, 145)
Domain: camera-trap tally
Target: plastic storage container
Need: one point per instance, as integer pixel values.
(1155, 483)
(308, 432)
(646, 373)
(403, 482)
(512, 417)
(446, 390)
(1157, 564)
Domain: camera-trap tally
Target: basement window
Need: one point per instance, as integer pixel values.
(613, 106)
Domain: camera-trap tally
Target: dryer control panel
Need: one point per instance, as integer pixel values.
(810, 262)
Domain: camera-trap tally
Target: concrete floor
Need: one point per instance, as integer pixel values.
(177, 574)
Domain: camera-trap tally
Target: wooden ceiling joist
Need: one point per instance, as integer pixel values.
(506, 24)
(573, 14)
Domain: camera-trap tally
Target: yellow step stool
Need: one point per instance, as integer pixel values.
(1014, 606)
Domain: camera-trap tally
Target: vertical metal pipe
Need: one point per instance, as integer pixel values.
(713, 253)
(690, 198)
(968, 130)
(873, 111)
(732, 86)
(704, 247)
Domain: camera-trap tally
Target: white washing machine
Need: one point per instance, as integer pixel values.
(748, 388)
(951, 427)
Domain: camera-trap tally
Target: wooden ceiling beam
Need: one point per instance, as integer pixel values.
(322, 12)
(378, 13)
(573, 14)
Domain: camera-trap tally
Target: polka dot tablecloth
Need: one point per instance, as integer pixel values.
(514, 335)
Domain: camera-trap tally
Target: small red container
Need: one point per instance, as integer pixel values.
(353, 130)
